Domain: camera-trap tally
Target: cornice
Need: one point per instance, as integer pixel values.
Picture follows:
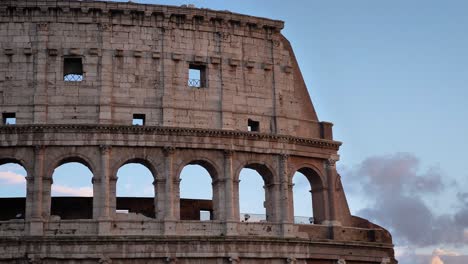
(176, 131)
(135, 12)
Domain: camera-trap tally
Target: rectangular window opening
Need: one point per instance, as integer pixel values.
(72, 69)
(9, 118)
(197, 76)
(205, 215)
(253, 126)
(138, 120)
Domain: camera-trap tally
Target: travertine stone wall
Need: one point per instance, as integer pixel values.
(136, 60)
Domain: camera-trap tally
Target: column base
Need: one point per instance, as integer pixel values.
(287, 230)
(169, 227)
(104, 226)
(36, 227)
(230, 228)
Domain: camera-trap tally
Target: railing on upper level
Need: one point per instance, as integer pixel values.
(195, 83)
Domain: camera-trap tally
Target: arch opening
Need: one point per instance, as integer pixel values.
(12, 190)
(197, 192)
(308, 197)
(135, 190)
(72, 190)
(256, 193)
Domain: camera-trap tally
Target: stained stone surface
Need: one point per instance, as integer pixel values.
(107, 83)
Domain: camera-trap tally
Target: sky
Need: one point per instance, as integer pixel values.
(392, 76)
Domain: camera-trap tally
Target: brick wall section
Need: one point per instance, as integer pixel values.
(136, 59)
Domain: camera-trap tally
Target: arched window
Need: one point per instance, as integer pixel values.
(72, 192)
(12, 191)
(256, 201)
(308, 196)
(135, 190)
(196, 193)
(303, 213)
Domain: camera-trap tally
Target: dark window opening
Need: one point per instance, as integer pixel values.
(9, 118)
(197, 76)
(138, 120)
(253, 126)
(72, 70)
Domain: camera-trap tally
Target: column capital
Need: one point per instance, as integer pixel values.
(168, 151)
(284, 157)
(105, 149)
(217, 181)
(228, 153)
(331, 161)
(39, 148)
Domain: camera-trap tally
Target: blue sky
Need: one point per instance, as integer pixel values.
(392, 76)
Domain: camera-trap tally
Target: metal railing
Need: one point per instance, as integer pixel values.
(195, 83)
(73, 78)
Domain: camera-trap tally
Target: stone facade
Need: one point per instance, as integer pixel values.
(247, 108)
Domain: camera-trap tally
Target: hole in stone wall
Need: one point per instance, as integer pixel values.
(72, 191)
(9, 118)
(135, 190)
(253, 126)
(138, 119)
(197, 76)
(302, 198)
(72, 69)
(12, 191)
(251, 196)
(196, 190)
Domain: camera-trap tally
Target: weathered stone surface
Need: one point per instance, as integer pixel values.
(249, 109)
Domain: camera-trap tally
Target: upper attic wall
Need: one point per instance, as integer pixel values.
(136, 59)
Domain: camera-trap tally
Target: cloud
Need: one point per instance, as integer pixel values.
(397, 189)
(71, 191)
(11, 178)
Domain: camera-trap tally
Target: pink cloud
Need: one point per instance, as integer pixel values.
(72, 191)
(11, 178)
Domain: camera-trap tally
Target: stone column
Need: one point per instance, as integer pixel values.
(29, 196)
(285, 197)
(229, 188)
(170, 194)
(113, 195)
(104, 209)
(231, 196)
(272, 204)
(47, 182)
(38, 182)
(36, 226)
(161, 197)
(218, 186)
(285, 200)
(331, 179)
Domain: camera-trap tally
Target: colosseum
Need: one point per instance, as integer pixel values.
(212, 88)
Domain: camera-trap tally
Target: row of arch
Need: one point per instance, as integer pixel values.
(273, 191)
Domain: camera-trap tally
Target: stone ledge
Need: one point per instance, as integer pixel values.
(320, 143)
(134, 10)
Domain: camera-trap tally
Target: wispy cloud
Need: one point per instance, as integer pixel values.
(397, 188)
(11, 178)
(72, 191)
